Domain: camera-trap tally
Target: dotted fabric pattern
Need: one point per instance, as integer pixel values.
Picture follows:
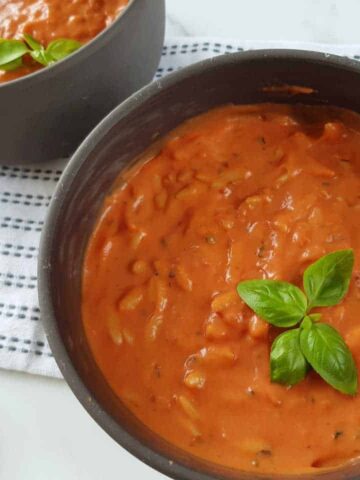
(25, 193)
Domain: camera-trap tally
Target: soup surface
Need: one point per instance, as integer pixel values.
(47, 20)
(238, 193)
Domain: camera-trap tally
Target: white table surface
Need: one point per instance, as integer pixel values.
(44, 432)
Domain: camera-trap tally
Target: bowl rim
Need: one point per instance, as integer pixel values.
(148, 455)
(69, 61)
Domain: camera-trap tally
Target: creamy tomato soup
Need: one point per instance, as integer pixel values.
(47, 20)
(241, 192)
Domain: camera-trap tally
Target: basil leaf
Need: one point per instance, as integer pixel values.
(11, 50)
(41, 57)
(288, 365)
(15, 64)
(326, 281)
(330, 357)
(279, 303)
(34, 44)
(61, 48)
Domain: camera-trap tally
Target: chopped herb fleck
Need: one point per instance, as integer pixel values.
(338, 434)
(172, 274)
(157, 370)
(265, 452)
(260, 251)
(163, 242)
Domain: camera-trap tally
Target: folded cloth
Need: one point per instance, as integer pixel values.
(25, 193)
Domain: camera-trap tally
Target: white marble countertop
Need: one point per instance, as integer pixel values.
(45, 434)
(323, 21)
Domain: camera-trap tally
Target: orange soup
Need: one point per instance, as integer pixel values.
(241, 192)
(47, 20)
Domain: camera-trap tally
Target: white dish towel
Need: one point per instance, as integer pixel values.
(25, 193)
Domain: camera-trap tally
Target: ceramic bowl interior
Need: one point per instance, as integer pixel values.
(113, 146)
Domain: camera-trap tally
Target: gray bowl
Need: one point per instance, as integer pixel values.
(45, 115)
(112, 146)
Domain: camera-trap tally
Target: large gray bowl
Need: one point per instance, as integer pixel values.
(112, 146)
(45, 115)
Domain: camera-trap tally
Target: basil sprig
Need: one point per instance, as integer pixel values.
(13, 51)
(314, 344)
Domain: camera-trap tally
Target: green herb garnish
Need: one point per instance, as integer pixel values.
(314, 344)
(13, 51)
(287, 362)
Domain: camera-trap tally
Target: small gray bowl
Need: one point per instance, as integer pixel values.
(46, 114)
(125, 133)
